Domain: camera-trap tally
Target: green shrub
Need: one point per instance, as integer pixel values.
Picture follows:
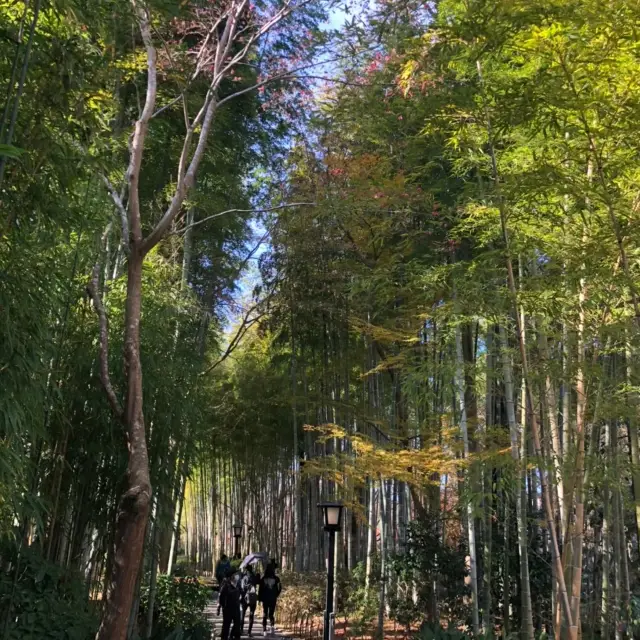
(436, 632)
(358, 607)
(179, 609)
(47, 603)
(302, 595)
(634, 616)
(425, 562)
(184, 567)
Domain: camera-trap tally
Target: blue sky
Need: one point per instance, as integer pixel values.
(251, 276)
(336, 18)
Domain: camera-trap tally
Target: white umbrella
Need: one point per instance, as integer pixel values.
(252, 558)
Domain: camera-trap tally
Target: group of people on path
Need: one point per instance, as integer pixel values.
(241, 591)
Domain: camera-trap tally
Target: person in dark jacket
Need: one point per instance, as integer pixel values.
(222, 568)
(230, 597)
(269, 591)
(249, 588)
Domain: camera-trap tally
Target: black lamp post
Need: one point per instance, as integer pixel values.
(237, 534)
(332, 518)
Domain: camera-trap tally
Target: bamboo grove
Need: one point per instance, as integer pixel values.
(454, 331)
(131, 133)
(405, 278)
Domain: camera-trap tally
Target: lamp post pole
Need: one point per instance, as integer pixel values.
(332, 516)
(330, 575)
(237, 533)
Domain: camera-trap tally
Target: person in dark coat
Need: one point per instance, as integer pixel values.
(269, 591)
(249, 588)
(230, 597)
(222, 568)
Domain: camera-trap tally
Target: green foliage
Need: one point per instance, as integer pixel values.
(634, 615)
(425, 562)
(47, 601)
(436, 632)
(358, 605)
(179, 608)
(10, 151)
(303, 595)
(431, 632)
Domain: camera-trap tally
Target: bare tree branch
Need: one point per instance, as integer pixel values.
(265, 28)
(170, 104)
(247, 322)
(103, 350)
(200, 64)
(142, 124)
(184, 183)
(245, 325)
(285, 75)
(251, 253)
(346, 83)
(266, 210)
(222, 65)
(288, 75)
(124, 221)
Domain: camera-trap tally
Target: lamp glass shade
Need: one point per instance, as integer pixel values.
(237, 530)
(332, 515)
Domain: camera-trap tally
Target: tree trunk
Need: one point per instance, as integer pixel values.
(471, 526)
(383, 559)
(132, 630)
(487, 617)
(297, 498)
(521, 514)
(371, 536)
(633, 443)
(562, 588)
(8, 138)
(617, 551)
(578, 524)
(606, 540)
(175, 532)
(551, 406)
(566, 392)
(134, 503)
(153, 578)
(506, 575)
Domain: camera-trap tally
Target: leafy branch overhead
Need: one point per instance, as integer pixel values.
(364, 458)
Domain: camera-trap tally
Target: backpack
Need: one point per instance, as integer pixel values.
(249, 590)
(269, 589)
(251, 596)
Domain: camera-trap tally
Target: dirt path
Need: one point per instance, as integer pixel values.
(211, 612)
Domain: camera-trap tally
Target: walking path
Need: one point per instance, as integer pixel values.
(211, 612)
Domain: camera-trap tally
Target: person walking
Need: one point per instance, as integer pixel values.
(270, 588)
(222, 568)
(230, 597)
(248, 586)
